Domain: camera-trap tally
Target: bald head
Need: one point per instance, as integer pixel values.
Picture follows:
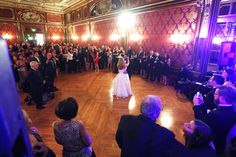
(151, 107)
(34, 65)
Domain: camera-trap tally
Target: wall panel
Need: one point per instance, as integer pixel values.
(104, 29)
(55, 31)
(10, 29)
(80, 31)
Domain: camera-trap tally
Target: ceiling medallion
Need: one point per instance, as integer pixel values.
(31, 17)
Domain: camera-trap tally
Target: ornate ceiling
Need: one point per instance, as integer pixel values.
(43, 5)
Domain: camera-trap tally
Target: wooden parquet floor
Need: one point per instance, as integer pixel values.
(100, 112)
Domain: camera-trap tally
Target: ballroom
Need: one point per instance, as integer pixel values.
(110, 78)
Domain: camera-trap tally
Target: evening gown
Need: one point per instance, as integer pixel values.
(121, 84)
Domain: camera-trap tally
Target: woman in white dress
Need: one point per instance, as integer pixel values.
(121, 83)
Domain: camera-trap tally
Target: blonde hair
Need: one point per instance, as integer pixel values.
(121, 63)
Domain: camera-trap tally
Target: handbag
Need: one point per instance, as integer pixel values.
(40, 149)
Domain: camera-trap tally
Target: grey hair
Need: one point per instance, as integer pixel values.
(151, 106)
(32, 63)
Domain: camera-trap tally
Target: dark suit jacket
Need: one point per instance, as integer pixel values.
(202, 152)
(35, 83)
(139, 136)
(220, 120)
(209, 101)
(49, 71)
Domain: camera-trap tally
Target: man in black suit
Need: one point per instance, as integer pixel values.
(220, 120)
(36, 84)
(140, 136)
(140, 56)
(49, 73)
(215, 81)
(150, 65)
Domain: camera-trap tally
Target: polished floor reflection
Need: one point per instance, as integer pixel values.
(100, 112)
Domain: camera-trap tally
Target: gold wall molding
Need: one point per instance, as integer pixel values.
(137, 10)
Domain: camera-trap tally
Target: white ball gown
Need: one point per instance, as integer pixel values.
(121, 84)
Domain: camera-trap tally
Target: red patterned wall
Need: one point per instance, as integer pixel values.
(81, 30)
(53, 31)
(10, 29)
(156, 28)
(104, 29)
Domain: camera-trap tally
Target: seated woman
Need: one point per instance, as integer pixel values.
(38, 146)
(69, 133)
(198, 139)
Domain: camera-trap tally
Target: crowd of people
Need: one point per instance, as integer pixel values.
(210, 134)
(36, 67)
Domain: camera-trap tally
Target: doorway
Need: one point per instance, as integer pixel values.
(37, 38)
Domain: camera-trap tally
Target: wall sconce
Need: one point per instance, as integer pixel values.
(135, 37)
(217, 40)
(7, 36)
(85, 37)
(204, 31)
(114, 37)
(179, 38)
(126, 20)
(74, 37)
(95, 37)
(56, 37)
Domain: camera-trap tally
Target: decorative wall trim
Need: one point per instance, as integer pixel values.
(138, 10)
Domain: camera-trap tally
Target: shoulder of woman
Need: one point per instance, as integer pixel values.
(80, 122)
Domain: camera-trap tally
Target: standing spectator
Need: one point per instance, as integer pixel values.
(69, 133)
(15, 72)
(49, 72)
(141, 136)
(150, 65)
(36, 85)
(215, 81)
(70, 61)
(109, 56)
(114, 60)
(96, 61)
(165, 69)
(220, 120)
(22, 69)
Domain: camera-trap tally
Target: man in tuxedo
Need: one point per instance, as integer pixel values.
(36, 57)
(131, 65)
(220, 120)
(36, 84)
(140, 57)
(49, 73)
(150, 65)
(141, 136)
